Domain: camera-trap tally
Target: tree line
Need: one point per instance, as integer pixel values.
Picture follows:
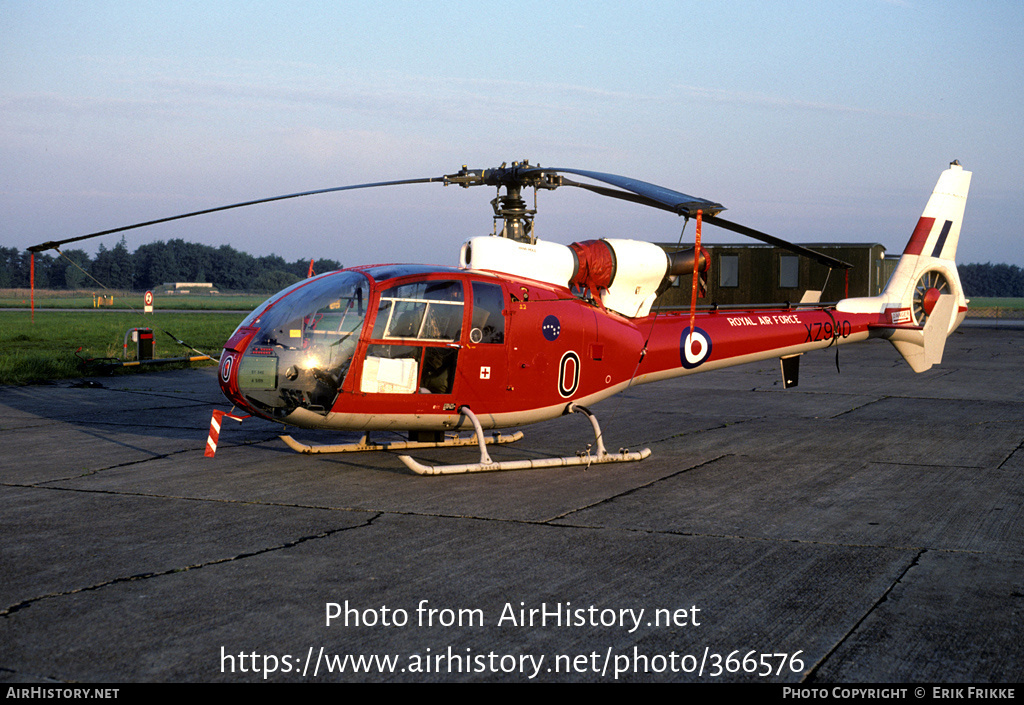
(992, 279)
(154, 264)
(228, 269)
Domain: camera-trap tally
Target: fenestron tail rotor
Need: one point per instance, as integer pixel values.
(927, 291)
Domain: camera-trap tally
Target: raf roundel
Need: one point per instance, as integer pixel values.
(694, 349)
(551, 328)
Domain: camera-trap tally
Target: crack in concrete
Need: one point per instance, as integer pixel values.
(709, 429)
(631, 490)
(1010, 455)
(810, 674)
(810, 542)
(215, 500)
(8, 611)
(859, 406)
(509, 520)
(96, 471)
(153, 456)
(36, 422)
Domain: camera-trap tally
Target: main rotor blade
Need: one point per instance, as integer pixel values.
(53, 244)
(616, 193)
(772, 240)
(713, 219)
(674, 201)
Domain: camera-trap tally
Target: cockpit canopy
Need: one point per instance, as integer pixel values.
(297, 349)
(302, 343)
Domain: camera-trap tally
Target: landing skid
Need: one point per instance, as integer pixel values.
(488, 465)
(365, 444)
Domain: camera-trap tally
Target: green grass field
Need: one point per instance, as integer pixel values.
(45, 349)
(991, 307)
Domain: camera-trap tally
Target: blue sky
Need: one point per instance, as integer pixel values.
(811, 121)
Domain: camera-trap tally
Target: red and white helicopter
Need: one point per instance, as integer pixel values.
(523, 330)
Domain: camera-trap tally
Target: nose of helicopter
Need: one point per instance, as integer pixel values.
(230, 359)
(293, 352)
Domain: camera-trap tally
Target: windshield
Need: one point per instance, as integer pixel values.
(306, 338)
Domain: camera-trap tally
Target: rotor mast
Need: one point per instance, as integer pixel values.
(517, 219)
(510, 207)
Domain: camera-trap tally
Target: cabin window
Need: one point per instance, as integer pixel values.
(408, 369)
(391, 369)
(789, 272)
(425, 310)
(488, 314)
(728, 271)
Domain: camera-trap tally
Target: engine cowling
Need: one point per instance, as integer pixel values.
(625, 276)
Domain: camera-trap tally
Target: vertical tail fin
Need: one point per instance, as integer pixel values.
(928, 262)
(924, 297)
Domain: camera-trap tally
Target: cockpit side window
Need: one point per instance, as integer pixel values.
(425, 310)
(428, 312)
(488, 324)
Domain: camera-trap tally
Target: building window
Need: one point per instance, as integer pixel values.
(789, 272)
(728, 271)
